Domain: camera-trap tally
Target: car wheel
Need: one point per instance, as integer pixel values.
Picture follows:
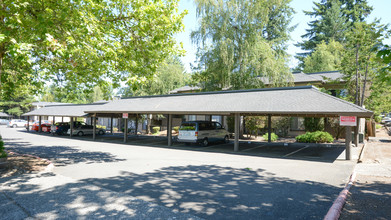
(101, 132)
(205, 142)
(226, 139)
(14, 126)
(80, 133)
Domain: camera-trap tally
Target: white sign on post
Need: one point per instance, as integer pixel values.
(125, 115)
(348, 120)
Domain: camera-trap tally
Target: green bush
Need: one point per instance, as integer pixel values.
(176, 129)
(315, 137)
(378, 126)
(274, 137)
(101, 127)
(3, 154)
(155, 130)
(313, 124)
(378, 119)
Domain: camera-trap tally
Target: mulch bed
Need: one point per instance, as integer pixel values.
(19, 164)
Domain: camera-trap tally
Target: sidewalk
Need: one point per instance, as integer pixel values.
(52, 196)
(370, 196)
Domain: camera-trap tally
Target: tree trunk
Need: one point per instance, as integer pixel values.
(365, 81)
(357, 78)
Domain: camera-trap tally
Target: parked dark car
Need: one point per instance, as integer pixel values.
(60, 128)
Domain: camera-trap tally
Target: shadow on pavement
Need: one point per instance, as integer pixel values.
(368, 201)
(61, 155)
(215, 192)
(73, 200)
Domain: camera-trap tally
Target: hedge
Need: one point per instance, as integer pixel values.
(274, 137)
(315, 137)
(155, 130)
(2, 149)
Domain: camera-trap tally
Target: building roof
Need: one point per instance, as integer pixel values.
(43, 104)
(317, 77)
(185, 89)
(4, 115)
(298, 101)
(64, 110)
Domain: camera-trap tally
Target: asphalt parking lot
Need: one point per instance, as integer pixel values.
(316, 152)
(259, 182)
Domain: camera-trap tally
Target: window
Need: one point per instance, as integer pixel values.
(218, 125)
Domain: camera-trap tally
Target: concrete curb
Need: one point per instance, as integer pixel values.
(48, 168)
(335, 210)
(362, 152)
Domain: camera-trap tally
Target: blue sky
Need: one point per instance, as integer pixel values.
(381, 10)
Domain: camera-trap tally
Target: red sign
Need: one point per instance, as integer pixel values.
(125, 115)
(348, 120)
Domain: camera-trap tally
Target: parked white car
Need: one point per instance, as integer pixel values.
(202, 132)
(17, 123)
(81, 129)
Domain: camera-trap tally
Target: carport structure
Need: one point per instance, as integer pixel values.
(64, 110)
(4, 115)
(304, 101)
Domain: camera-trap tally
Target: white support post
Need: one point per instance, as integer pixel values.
(111, 124)
(40, 124)
(348, 143)
(28, 123)
(169, 130)
(71, 127)
(356, 134)
(237, 128)
(126, 130)
(136, 128)
(269, 128)
(94, 128)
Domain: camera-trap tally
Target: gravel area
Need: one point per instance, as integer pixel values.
(370, 196)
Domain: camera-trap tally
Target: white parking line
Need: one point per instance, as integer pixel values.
(296, 151)
(263, 145)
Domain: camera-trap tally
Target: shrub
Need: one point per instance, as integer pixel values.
(378, 118)
(3, 154)
(378, 126)
(176, 129)
(313, 124)
(155, 130)
(315, 137)
(274, 137)
(101, 126)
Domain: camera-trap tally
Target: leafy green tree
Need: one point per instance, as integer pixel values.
(241, 42)
(359, 64)
(332, 19)
(326, 57)
(83, 43)
(20, 104)
(169, 76)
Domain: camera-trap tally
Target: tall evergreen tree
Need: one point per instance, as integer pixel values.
(242, 41)
(332, 19)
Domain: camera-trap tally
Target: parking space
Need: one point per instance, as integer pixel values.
(303, 151)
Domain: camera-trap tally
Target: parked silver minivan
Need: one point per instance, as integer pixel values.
(202, 132)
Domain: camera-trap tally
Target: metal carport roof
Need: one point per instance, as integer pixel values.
(4, 115)
(289, 101)
(67, 110)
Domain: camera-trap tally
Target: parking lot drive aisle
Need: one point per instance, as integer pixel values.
(111, 180)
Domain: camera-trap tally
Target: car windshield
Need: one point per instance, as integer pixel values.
(188, 126)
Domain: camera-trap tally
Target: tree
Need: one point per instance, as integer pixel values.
(359, 64)
(332, 19)
(326, 57)
(240, 43)
(169, 76)
(83, 43)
